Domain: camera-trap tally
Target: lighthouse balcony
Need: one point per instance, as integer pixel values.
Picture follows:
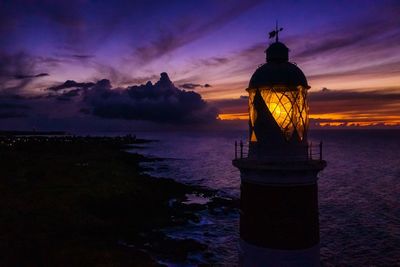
(311, 160)
(311, 152)
(306, 165)
(282, 173)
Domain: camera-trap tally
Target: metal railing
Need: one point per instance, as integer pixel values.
(241, 149)
(315, 151)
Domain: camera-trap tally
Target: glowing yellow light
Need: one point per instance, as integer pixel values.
(336, 119)
(252, 111)
(288, 107)
(233, 116)
(253, 137)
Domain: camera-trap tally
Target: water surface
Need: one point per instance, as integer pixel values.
(359, 196)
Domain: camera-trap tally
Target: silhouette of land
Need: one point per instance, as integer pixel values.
(83, 201)
(25, 133)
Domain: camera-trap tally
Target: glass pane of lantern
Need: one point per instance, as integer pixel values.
(253, 136)
(289, 109)
(280, 106)
(252, 111)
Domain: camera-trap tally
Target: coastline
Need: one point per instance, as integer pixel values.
(84, 201)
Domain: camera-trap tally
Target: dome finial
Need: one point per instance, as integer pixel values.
(275, 33)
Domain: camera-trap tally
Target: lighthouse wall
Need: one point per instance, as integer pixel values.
(279, 219)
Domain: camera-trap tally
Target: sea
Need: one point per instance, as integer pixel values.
(359, 192)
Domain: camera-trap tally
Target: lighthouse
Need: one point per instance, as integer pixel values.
(279, 222)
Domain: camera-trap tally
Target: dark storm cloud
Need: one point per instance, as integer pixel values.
(70, 84)
(161, 102)
(350, 101)
(71, 93)
(66, 96)
(22, 76)
(82, 56)
(187, 31)
(192, 86)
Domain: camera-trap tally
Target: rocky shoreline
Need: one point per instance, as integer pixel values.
(84, 201)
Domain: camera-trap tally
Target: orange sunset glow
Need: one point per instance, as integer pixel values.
(333, 120)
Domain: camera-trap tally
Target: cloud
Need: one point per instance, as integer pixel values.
(370, 41)
(189, 30)
(23, 73)
(234, 105)
(192, 86)
(161, 102)
(214, 61)
(82, 57)
(373, 70)
(73, 58)
(22, 76)
(66, 96)
(11, 67)
(70, 84)
(327, 101)
(364, 49)
(326, 94)
(365, 33)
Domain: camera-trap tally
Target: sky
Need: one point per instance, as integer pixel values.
(86, 64)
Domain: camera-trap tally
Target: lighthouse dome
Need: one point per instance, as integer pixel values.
(278, 71)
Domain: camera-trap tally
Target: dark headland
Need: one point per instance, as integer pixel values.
(84, 201)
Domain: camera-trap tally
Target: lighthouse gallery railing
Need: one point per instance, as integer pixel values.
(314, 150)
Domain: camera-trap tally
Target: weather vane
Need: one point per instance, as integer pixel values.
(275, 33)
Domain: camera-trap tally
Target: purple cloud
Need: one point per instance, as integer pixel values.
(161, 102)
